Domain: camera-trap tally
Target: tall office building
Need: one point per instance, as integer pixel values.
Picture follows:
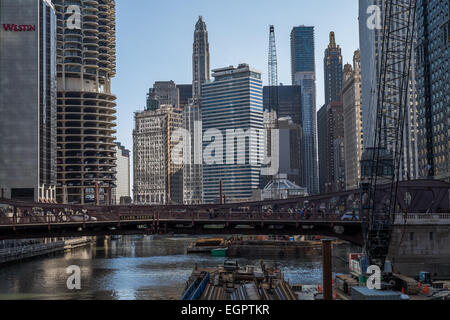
(200, 59)
(193, 160)
(289, 102)
(192, 118)
(353, 132)
(289, 142)
(322, 148)
(185, 91)
(332, 63)
(158, 179)
(304, 75)
(122, 192)
(371, 45)
(433, 64)
(86, 108)
(232, 112)
(289, 107)
(28, 100)
(163, 93)
(331, 147)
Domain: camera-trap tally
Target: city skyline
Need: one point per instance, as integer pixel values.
(174, 62)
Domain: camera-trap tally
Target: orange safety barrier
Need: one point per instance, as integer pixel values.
(426, 290)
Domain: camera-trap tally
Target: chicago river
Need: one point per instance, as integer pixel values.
(137, 268)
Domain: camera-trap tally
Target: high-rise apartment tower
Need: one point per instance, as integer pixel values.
(86, 58)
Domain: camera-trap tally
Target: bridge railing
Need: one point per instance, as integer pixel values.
(420, 218)
(222, 216)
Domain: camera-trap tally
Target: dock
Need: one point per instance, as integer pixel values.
(12, 255)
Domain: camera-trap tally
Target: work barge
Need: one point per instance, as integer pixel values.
(230, 282)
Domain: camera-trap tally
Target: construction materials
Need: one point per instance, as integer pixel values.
(247, 283)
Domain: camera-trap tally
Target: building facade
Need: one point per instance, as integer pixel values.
(122, 192)
(433, 65)
(185, 91)
(289, 111)
(290, 143)
(353, 132)
(28, 100)
(193, 155)
(289, 102)
(331, 147)
(371, 46)
(304, 75)
(86, 63)
(332, 64)
(322, 147)
(157, 178)
(200, 59)
(233, 135)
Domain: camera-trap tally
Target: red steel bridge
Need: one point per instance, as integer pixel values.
(323, 215)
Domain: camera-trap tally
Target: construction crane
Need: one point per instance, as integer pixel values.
(273, 73)
(273, 92)
(379, 210)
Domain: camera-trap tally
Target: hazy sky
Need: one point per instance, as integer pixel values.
(154, 41)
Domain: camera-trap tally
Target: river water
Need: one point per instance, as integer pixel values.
(136, 268)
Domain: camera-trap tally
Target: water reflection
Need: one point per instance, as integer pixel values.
(134, 268)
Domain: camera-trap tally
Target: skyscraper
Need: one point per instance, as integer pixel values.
(289, 107)
(86, 58)
(28, 100)
(322, 148)
(333, 71)
(200, 59)
(304, 75)
(193, 160)
(158, 179)
(185, 91)
(433, 65)
(331, 147)
(371, 45)
(163, 93)
(232, 112)
(289, 102)
(353, 132)
(192, 118)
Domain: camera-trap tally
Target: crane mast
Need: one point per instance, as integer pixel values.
(394, 78)
(273, 75)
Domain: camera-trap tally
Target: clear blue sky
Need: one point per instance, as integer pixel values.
(154, 41)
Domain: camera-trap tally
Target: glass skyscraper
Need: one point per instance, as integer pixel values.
(370, 40)
(304, 75)
(28, 100)
(232, 104)
(289, 106)
(433, 60)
